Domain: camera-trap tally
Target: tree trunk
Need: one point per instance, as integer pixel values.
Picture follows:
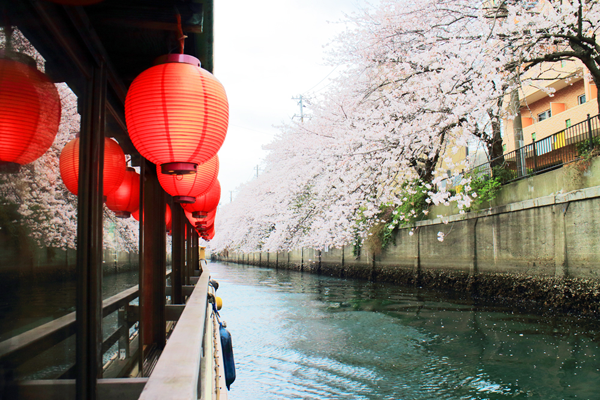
(494, 145)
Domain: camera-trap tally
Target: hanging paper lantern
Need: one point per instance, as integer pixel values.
(185, 188)
(168, 219)
(126, 199)
(209, 235)
(205, 203)
(206, 229)
(189, 217)
(204, 222)
(177, 114)
(136, 215)
(209, 216)
(113, 172)
(29, 111)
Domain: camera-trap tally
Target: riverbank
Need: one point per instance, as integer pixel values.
(541, 294)
(541, 253)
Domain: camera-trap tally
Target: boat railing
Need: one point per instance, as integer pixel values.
(176, 374)
(189, 366)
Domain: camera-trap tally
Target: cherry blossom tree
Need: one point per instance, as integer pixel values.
(41, 203)
(545, 31)
(421, 77)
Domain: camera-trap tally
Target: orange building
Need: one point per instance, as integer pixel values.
(554, 97)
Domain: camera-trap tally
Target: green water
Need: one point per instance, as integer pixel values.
(302, 336)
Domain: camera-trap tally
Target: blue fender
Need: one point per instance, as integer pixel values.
(227, 348)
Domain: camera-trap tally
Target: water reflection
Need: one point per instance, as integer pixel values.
(301, 336)
(28, 304)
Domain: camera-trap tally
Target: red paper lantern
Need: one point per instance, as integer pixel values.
(205, 222)
(205, 203)
(208, 235)
(189, 217)
(114, 166)
(126, 199)
(177, 114)
(168, 219)
(185, 188)
(136, 216)
(206, 230)
(209, 216)
(208, 221)
(29, 111)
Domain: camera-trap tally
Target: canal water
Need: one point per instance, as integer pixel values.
(303, 336)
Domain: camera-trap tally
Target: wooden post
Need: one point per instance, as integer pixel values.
(124, 332)
(178, 253)
(89, 237)
(141, 267)
(154, 267)
(188, 257)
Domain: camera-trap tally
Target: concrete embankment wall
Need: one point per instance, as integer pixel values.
(542, 252)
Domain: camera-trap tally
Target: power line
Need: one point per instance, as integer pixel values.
(327, 76)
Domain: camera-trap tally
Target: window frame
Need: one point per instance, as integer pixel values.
(544, 115)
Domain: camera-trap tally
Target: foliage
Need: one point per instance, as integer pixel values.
(34, 203)
(411, 208)
(419, 78)
(588, 148)
(486, 189)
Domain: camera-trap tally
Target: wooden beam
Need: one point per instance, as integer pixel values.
(172, 311)
(28, 344)
(153, 25)
(64, 389)
(186, 290)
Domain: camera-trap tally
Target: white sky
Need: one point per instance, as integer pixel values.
(266, 52)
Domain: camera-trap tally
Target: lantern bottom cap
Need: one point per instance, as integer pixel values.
(9, 167)
(184, 199)
(199, 214)
(122, 214)
(178, 168)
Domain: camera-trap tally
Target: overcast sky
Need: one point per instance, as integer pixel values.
(266, 52)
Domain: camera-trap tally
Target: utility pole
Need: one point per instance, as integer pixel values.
(257, 171)
(230, 196)
(300, 98)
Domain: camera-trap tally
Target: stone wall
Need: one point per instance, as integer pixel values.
(544, 251)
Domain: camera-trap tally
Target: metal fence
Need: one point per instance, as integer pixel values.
(547, 154)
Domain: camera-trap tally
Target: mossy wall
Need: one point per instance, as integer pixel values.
(543, 252)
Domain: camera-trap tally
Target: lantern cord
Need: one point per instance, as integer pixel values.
(181, 37)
